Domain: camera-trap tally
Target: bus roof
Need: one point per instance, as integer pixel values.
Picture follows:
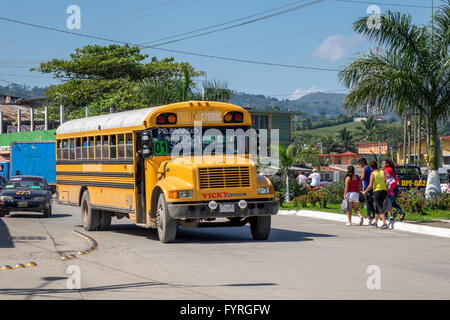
(131, 118)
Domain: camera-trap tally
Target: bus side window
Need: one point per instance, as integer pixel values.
(78, 148)
(112, 147)
(58, 150)
(105, 148)
(84, 148)
(98, 148)
(129, 145)
(65, 149)
(91, 148)
(121, 146)
(72, 149)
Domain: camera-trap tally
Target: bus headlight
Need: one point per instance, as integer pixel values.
(180, 194)
(264, 190)
(5, 198)
(40, 198)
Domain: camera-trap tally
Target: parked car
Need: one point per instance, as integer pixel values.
(26, 193)
(3, 181)
(410, 177)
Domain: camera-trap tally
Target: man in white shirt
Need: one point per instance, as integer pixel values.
(315, 178)
(302, 179)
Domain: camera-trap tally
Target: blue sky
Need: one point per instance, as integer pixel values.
(317, 36)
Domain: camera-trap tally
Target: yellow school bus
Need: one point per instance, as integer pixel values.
(123, 165)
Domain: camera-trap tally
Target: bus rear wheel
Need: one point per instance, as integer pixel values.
(260, 227)
(91, 217)
(167, 227)
(105, 220)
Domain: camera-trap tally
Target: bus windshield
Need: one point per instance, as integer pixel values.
(212, 141)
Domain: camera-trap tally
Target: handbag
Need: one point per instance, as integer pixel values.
(344, 206)
(362, 198)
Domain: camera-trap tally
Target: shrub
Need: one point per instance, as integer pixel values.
(334, 192)
(300, 201)
(280, 197)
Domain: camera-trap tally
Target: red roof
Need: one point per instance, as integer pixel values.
(347, 153)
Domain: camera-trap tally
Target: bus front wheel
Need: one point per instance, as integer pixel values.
(91, 217)
(167, 227)
(260, 227)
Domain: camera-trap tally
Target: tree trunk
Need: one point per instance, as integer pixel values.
(433, 182)
(414, 140)
(287, 188)
(419, 138)
(409, 139)
(405, 126)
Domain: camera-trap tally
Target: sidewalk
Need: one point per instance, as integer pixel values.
(397, 225)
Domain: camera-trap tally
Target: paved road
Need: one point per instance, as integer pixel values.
(304, 258)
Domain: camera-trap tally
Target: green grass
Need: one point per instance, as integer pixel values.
(351, 126)
(429, 215)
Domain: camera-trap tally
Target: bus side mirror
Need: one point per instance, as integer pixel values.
(52, 189)
(147, 144)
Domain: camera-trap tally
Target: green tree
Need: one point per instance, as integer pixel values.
(329, 144)
(367, 130)
(115, 76)
(296, 155)
(345, 140)
(411, 72)
(216, 90)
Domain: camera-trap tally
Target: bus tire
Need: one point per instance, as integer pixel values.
(105, 220)
(3, 213)
(260, 227)
(91, 217)
(167, 227)
(48, 212)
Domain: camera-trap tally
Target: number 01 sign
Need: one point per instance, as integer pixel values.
(160, 148)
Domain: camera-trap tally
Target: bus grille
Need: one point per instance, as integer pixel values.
(226, 177)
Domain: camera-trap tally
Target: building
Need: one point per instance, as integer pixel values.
(343, 159)
(444, 142)
(371, 148)
(271, 119)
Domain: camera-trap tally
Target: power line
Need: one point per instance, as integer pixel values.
(223, 23)
(242, 23)
(384, 4)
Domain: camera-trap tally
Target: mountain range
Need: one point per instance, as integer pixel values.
(313, 104)
(318, 103)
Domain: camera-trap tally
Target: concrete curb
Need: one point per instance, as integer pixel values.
(402, 226)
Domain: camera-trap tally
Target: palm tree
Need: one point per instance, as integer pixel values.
(329, 144)
(286, 161)
(297, 154)
(368, 129)
(345, 140)
(412, 71)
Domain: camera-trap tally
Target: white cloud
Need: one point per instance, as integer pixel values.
(336, 47)
(298, 93)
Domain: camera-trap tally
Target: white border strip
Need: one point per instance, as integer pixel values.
(402, 226)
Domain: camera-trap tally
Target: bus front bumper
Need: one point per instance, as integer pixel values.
(196, 210)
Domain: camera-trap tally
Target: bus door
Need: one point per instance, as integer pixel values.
(140, 180)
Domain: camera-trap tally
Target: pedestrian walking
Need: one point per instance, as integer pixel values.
(378, 185)
(391, 182)
(365, 179)
(351, 194)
